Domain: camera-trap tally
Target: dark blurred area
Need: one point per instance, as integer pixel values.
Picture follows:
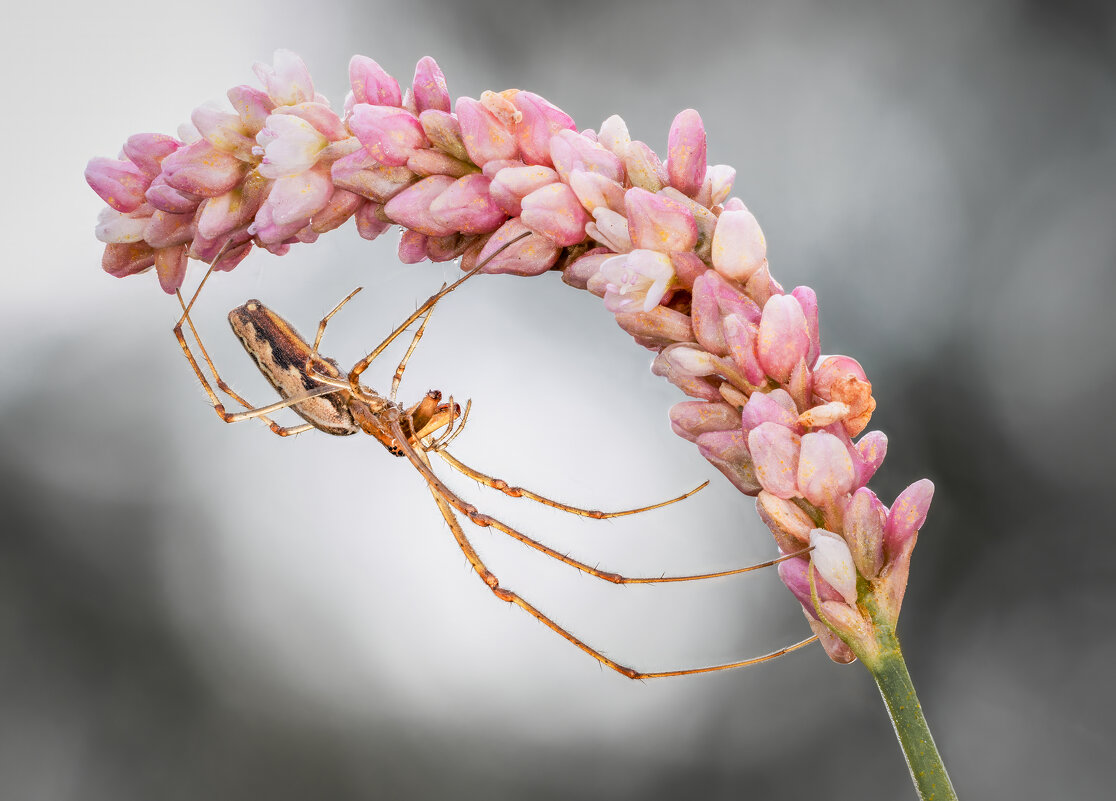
(189, 610)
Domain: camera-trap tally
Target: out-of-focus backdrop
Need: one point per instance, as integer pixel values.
(193, 610)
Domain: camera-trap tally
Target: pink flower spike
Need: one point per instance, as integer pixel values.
(825, 469)
(368, 222)
(686, 150)
(531, 256)
(371, 84)
(465, 207)
(429, 86)
(774, 450)
(783, 337)
(541, 120)
(739, 247)
(202, 169)
(637, 280)
(412, 247)
(727, 451)
(485, 137)
(389, 134)
(555, 212)
(908, 513)
(768, 407)
(643, 167)
(571, 151)
(596, 191)
(741, 337)
(833, 562)
(870, 452)
(690, 419)
(864, 520)
(298, 197)
(511, 184)
(808, 300)
(147, 151)
(411, 207)
(287, 81)
(444, 132)
(121, 184)
(170, 265)
(252, 106)
(658, 223)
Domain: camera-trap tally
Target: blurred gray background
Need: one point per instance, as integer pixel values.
(193, 610)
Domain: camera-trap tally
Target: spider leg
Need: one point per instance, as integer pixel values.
(478, 518)
(520, 492)
(512, 597)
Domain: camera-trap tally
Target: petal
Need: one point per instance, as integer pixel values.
(541, 120)
(429, 86)
(465, 207)
(121, 184)
(833, 562)
(555, 212)
(299, 197)
(689, 419)
(686, 149)
(371, 84)
(907, 516)
(656, 222)
(411, 207)
(825, 469)
(533, 255)
(727, 451)
(783, 337)
(774, 451)
(739, 247)
(485, 137)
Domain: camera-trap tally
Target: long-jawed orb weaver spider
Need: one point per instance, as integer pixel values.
(328, 400)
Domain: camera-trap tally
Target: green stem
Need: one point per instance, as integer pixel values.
(925, 763)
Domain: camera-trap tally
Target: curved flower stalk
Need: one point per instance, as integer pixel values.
(680, 262)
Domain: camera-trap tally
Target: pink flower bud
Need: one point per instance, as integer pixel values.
(870, 453)
(713, 299)
(147, 151)
(169, 230)
(555, 212)
(694, 361)
(739, 247)
(596, 191)
(371, 84)
(412, 247)
(116, 227)
(571, 151)
(774, 450)
(864, 520)
(170, 266)
(741, 338)
(299, 197)
(658, 223)
(429, 161)
(656, 328)
(727, 451)
(444, 132)
(688, 267)
(610, 229)
(789, 525)
(446, 248)
(721, 178)
(429, 86)
(485, 137)
(761, 287)
(120, 260)
(411, 207)
(320, 116)
(795, 573)
(166, 198)
(783, 337)
(768, 407)
(689, 419)
(341, 206)
(369, 222)
(360, 173)
(252, 106)
(531, 256)
(578, 272)
(390, 135)
(694, 387)
(643, 168)
(908, 513)
(465, 207)
(835, 648)
(834, 563)
(614, 135)
(808, 300)
(825, 469)
(271, 234)
(290, 144)
(541, 120)
(511, 184)
(121, 184)
(224, 130)
(202, 169)
(287, 81)
(686, 152)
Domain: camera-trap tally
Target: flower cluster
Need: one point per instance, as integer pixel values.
(681, 264)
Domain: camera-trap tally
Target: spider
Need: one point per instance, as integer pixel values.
(337, 403)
